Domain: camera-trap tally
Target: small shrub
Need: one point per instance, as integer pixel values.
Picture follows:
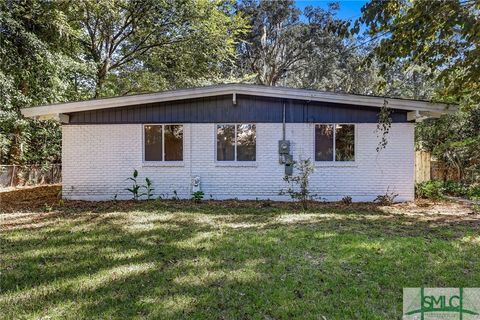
(430, 190)
(148, 188)
(135, 188)
(454, 188)
(438, 189)
(347, 200)
(298, 188)
(386, 199)
(473, 192)
(175, 195)
(197, 196)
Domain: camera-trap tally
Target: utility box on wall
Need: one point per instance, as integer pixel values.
(285, 157)
(289, 168)
(284, 147)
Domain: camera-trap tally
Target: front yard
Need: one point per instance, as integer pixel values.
(229, 260)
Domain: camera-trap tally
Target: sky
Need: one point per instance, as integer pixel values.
(349, 10)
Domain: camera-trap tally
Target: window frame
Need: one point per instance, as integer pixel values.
(163, 162)
(334, 161)
(234, 162)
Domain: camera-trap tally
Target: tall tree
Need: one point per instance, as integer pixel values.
(34, 69)
(443, 37)
(335, 61)
(123, 34)
(61, 51)
(277, 41)
(309, 49)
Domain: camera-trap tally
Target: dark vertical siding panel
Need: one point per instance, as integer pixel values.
(166, 113)
(124, 115)
(200, 111)
(137, 114)
(143, 113)
(192, 111)
(221, 109)
(179, 112)
(216, 108)
(118, 115)
(256, 111)
(237, 111)
(254, 108)
(148, 113)
(131, 114)
(338, 115)
(157, 113)
(170, 113)
(298, 110)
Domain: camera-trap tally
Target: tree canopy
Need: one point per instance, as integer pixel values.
(439, 41)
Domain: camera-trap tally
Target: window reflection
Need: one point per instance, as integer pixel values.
(173, 142)
(236, 142)
(153, 143)
(344, 142)
(246, 142)
(324, 142)
(225, 142)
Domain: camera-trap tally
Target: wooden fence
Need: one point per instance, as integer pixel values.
(30, 175)
(422, 166)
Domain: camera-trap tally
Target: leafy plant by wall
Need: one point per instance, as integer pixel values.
(299, 183)
(383, 126)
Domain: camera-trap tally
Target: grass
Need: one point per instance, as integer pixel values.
(216, 260)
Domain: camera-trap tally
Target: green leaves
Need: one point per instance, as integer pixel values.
(54, 52)
(135, 188)
(161, 44)
(441, 35)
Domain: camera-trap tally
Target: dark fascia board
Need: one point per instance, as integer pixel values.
(50, 111)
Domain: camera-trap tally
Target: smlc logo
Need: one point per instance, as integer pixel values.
(441, 303)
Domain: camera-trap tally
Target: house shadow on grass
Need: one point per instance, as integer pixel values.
(239, 261)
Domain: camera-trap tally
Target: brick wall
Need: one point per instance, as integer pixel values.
(97, 160)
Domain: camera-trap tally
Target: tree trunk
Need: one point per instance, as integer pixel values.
(101, 77)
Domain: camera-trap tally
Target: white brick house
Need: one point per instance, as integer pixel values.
(229, 135)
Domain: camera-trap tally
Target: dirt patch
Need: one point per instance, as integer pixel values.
(424, 206)
(29, 198)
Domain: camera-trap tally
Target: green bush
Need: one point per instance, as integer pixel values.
(430, 189)
(197, 196)
(473, 192)
(437, 189)
(454, 188)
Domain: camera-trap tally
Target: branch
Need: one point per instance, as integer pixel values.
(138, 51)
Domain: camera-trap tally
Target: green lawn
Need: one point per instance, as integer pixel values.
(235, 260)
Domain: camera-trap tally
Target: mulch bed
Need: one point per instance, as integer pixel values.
(48, 197)
(29, 197)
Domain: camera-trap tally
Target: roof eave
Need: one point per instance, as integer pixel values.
(286, 93)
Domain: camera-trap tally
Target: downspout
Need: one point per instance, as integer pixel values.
(283, 122)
